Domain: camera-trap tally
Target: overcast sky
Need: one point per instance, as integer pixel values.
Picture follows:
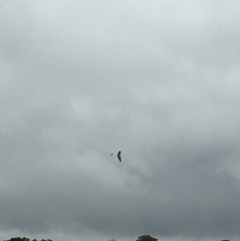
(158, 80)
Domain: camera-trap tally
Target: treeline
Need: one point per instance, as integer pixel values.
(140, 238)
(27, 239)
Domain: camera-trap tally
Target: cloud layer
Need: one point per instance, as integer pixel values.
(158, 81)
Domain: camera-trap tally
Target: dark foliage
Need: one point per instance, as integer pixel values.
(146, 238)
(140, 238)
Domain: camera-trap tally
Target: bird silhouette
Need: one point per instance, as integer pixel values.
(119, 156)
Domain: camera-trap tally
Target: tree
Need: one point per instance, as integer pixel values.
(146, 238)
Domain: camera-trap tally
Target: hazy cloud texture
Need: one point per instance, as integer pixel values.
(158, 80)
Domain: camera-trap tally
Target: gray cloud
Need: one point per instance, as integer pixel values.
(158, 81)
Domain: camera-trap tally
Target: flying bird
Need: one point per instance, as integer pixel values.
(119, 156)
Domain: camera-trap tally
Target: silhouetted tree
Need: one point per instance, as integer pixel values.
(146, 238)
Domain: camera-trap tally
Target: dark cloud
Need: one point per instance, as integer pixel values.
(158, 81)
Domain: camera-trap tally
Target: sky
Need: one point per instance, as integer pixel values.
(158, 80)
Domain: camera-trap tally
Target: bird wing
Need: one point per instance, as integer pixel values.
(119, 158)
